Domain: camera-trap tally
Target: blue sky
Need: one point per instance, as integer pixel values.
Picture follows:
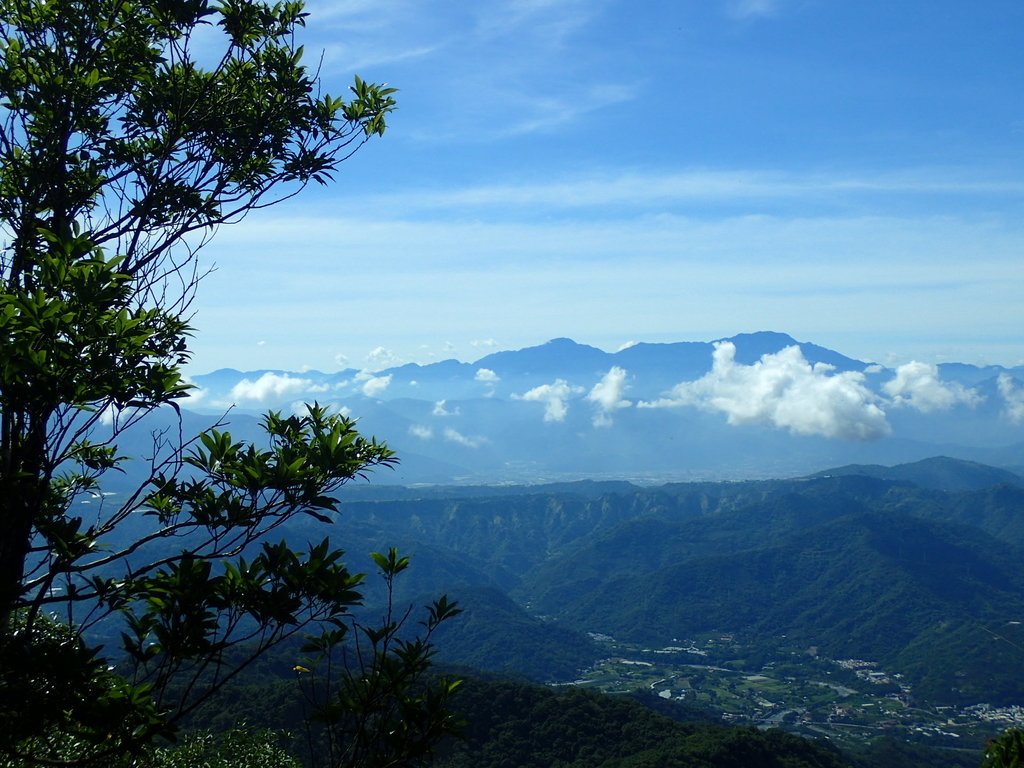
(849, 172)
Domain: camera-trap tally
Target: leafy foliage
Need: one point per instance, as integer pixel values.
(376, 702)
(129, 131)
(239, 748)
(1006, 751)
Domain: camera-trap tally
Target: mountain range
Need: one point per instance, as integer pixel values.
(919, 571)
(753, 405)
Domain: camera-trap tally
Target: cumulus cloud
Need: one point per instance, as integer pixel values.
(486, 374)
(440, 409)
(607, 396)
(195, 395)
(1014, 397)
(918, 385)
(272, 386)
(554, 396)
(380, 357)
(453, 436)
(375, 385)
(784, 390)
(420, 431)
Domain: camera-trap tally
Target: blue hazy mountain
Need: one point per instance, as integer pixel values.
(764, 405)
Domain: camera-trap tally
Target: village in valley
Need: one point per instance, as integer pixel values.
(799, 690)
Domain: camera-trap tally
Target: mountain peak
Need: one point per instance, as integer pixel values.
(554, 357)
(563, 341)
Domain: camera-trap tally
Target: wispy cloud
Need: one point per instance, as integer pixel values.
(645, 188)
(494, 57)
(752, 9)
(453, 436)
(441, 409)
(421, 431)
(549, 113)
(892, 279)
(785, 391)
(547, 22)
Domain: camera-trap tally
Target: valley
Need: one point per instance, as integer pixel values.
(848, 702)
(858, 606)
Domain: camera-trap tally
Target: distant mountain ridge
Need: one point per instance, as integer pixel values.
(752, 405)
(940, 473)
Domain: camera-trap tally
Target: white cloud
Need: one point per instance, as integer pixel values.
(441, 410)
(783, 390)
(107, 416)
(420, 431)
(554, 397)
(301, 408)
(607, 396)
(341, 360)
(270, 386)
(375, 385)
(626, 345)
(456, 437)
(486, 374)
(855, 271)
(483, 343)
(195, 395)
(919, 386)
(381, 357)
(1014, 397)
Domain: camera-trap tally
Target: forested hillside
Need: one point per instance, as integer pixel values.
(707, 600)
(903, 569)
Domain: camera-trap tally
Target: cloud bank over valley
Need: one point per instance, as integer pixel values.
(642, 398)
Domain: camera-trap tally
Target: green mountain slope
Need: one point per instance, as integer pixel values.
(510, 724)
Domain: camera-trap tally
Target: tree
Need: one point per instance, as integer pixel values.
(234, 749)
(130, 130)
(386, 713)
(1005, 751)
